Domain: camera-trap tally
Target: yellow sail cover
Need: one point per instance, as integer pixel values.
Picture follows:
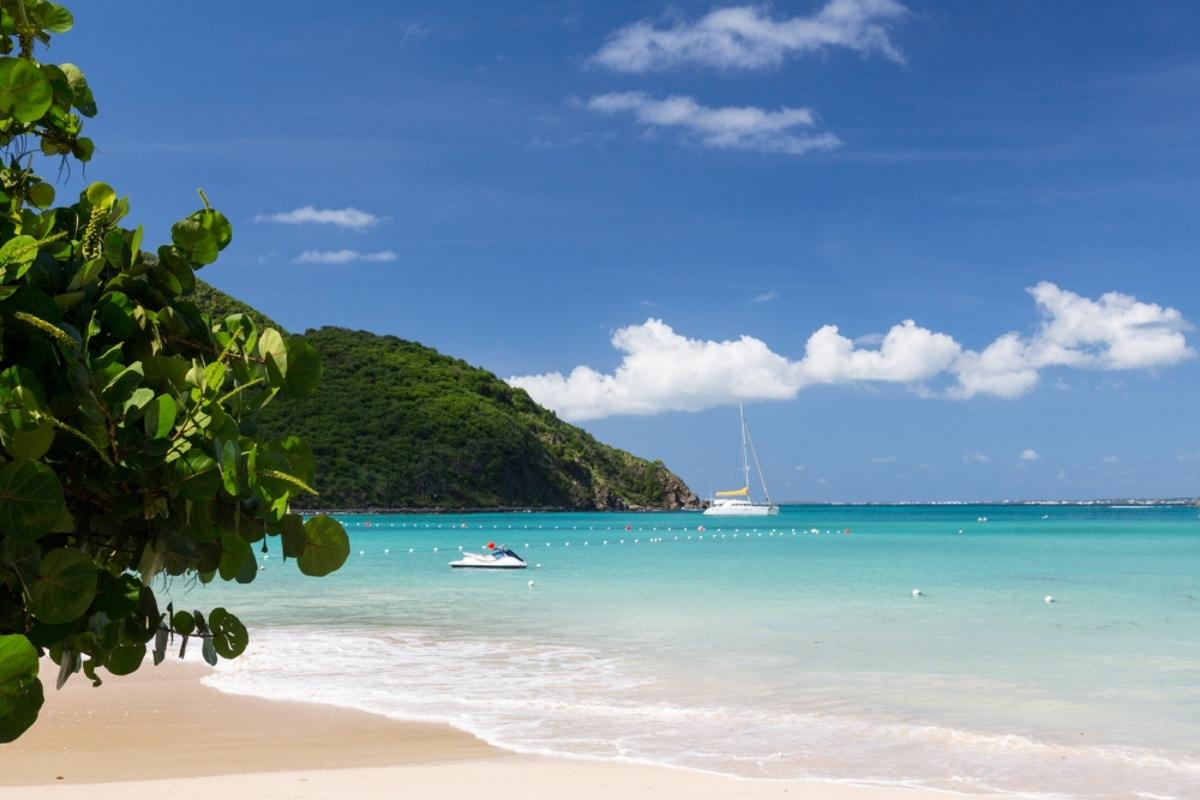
(742, 492)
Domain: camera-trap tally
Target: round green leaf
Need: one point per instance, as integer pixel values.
(125, 658)
(100, 195)
(217, 224)
(20, 689)
(41, 194)
(31, 499)
(183, 623)
(326, 546)
(229, 634)
(65, 586)
(31, 443)
(25, 93)
(194, 241)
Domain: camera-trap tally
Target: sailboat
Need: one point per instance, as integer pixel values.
(737, 502)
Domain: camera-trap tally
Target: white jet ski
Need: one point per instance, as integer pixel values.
(497, 558)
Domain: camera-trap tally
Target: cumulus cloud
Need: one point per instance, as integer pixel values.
(976, 458)
(765, 297)
(746, 37)
(1029, 454)
(308, 215)
(344, 256)
(784, 130)
(662, 370)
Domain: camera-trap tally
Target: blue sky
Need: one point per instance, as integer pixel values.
(538, 181)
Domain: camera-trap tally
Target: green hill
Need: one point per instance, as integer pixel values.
(395, 424)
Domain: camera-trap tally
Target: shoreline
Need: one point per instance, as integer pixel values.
(1141, 502)
(161, 728)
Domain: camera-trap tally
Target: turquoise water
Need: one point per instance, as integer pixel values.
(761, 649)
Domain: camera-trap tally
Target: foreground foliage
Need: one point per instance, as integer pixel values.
(399, 425)
(127, 416)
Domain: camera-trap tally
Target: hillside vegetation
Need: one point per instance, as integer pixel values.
(395, 424)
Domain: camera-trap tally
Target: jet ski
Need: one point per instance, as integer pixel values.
(494, 558)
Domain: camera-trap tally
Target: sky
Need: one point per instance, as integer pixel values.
(940, 250)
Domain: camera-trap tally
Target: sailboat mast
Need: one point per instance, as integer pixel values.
(745, 454)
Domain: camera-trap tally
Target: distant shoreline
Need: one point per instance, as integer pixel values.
(1172, 502)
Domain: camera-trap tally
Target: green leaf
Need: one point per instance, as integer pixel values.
(53, 17)
(303, 368)
(293, 536)
(18, 251)
(194, 242)
(159, 419)
(20, 690)
(183, 623)
(100, 195)
(29, 444)
(31, 499)
(41, 194)
(272, 348)
(65, 586)
(79, 85)
(234, 552)
(229, 634)
(230, 456)
(216, 224)
(126, 658)
(326, 546)
(198, 474)
(25, 93)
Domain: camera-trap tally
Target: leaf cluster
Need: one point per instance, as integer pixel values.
(129, 447)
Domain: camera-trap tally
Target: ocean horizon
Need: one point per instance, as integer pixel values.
(1034, 650)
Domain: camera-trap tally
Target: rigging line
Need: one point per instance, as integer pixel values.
(762, 479)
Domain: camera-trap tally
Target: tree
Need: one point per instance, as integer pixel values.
(127, 417)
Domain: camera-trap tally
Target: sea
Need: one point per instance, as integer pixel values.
(1037, 651)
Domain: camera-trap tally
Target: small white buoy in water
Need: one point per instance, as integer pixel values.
(539, 566)
(531, 584)
(1049, 599)
(362, 552)
(435, 549)
(917, 593)
(410, 549)
(387, 550)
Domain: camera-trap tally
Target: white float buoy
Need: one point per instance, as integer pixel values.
(531, 584)
(1049, 599)
(917, 593)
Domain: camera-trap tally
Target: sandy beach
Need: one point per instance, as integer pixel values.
(162, 731)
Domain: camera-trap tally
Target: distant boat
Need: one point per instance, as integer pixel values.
(737, 502)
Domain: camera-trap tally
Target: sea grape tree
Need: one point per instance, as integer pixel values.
(129, 455)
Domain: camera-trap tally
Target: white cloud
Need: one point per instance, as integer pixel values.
(1113, 333)
(785, 130)
(308, 215)
(662, 370)
(1029, 454)
(746, 37)
(765, 297)
(344, 256)
(1111, 460)
(882, 459)
(976, 458)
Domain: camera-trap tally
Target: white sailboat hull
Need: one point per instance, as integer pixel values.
(740, 508)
